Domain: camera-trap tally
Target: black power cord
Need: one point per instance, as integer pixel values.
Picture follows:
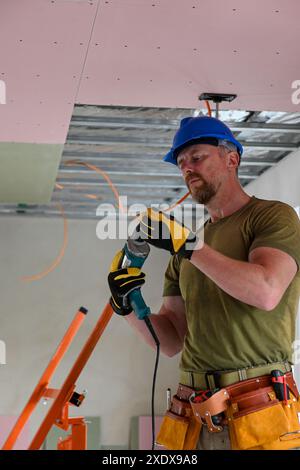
(151, 329)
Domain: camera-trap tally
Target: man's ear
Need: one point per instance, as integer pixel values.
(233, 160)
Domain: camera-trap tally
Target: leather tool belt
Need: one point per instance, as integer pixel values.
(244, 397)
(255, 417)
(179, 430)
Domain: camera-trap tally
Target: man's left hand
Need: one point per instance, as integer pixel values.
(164, 231)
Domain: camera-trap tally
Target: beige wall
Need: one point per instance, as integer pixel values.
(35, 315)
(282, 183)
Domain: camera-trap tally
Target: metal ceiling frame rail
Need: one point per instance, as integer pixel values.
(97, 158)
(127, 123)
(78, 171)
(130, 184)
(135, 142)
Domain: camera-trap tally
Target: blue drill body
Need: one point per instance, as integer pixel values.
(135, 254)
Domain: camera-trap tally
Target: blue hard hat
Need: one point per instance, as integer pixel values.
(203, 129)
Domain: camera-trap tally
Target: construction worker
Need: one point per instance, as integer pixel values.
(230, 298)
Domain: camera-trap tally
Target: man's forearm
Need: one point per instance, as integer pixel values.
(242, 280)
(170, 343)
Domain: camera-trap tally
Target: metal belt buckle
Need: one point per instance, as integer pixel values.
(216, 380)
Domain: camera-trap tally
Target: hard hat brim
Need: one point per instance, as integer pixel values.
(171, 156)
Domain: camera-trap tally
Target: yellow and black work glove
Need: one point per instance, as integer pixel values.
(164, 231)
(121, 283)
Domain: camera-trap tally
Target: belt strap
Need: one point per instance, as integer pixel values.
(217, 379)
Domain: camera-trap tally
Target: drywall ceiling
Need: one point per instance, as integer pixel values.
(156, 53)
(166, 52)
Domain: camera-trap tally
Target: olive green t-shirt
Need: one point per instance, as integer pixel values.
(223, 332)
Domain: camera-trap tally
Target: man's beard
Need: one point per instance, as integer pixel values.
(204, 193)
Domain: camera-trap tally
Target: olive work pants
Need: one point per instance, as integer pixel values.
(213, 440)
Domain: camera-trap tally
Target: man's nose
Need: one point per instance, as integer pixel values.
(186, 167)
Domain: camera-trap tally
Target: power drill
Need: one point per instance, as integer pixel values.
(135, 255)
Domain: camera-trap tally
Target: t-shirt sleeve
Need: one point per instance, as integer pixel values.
(278, 226)
(171, 283)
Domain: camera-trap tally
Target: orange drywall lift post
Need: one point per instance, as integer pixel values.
(134, 254)
(58, 413)
(42, 386)
(64, 397)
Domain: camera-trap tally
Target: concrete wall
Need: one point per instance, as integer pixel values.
(35, 315)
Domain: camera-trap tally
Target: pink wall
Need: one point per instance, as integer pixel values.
(6, 425)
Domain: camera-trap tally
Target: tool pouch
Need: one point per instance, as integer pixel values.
(258, 420)
(179, 429)
(291, 438)
(204, 412)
